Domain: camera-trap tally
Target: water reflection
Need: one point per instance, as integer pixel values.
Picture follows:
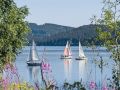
(34, 73)
(82, 69)
(67, 69)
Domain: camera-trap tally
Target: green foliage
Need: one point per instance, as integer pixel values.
(111, 37)
(13, 30)
(77, 85)
(110, 19)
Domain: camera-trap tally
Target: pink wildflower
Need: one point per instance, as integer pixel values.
(92, 85)
(104, 88)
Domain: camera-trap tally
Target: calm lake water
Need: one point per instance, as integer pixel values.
(67, 70)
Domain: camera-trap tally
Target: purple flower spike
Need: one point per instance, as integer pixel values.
(92, 85)
(48, 65)
(105, 88)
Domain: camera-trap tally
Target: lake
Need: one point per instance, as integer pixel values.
(67, 70)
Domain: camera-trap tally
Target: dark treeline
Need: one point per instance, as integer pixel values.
(52, 34)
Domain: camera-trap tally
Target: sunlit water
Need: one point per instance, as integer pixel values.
(67, 70)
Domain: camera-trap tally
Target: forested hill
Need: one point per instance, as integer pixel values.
(48, 29)
(52, 34)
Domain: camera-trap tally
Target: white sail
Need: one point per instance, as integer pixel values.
(81, 53)
(33, 52)
(70, 53)
(67, 45)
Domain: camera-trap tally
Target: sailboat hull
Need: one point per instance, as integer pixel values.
(32, 63)
(81, 58)
(66, 57)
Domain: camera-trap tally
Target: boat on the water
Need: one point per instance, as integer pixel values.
(33, 56)
(67, 52)
(81, 53)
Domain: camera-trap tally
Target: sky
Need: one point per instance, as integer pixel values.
(73, 13)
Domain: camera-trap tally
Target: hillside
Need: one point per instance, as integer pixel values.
(52, 34)
(48, 29)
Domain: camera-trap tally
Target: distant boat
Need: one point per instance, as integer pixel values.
(33, 56)
(67, 52)
(81, 53)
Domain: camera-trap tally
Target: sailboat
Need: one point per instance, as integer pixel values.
(33, 56)
(81, 53)
(67, 52)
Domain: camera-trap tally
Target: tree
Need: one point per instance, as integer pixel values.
(13, 30)
(110, 18)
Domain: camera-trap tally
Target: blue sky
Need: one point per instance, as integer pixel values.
(63, 12)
